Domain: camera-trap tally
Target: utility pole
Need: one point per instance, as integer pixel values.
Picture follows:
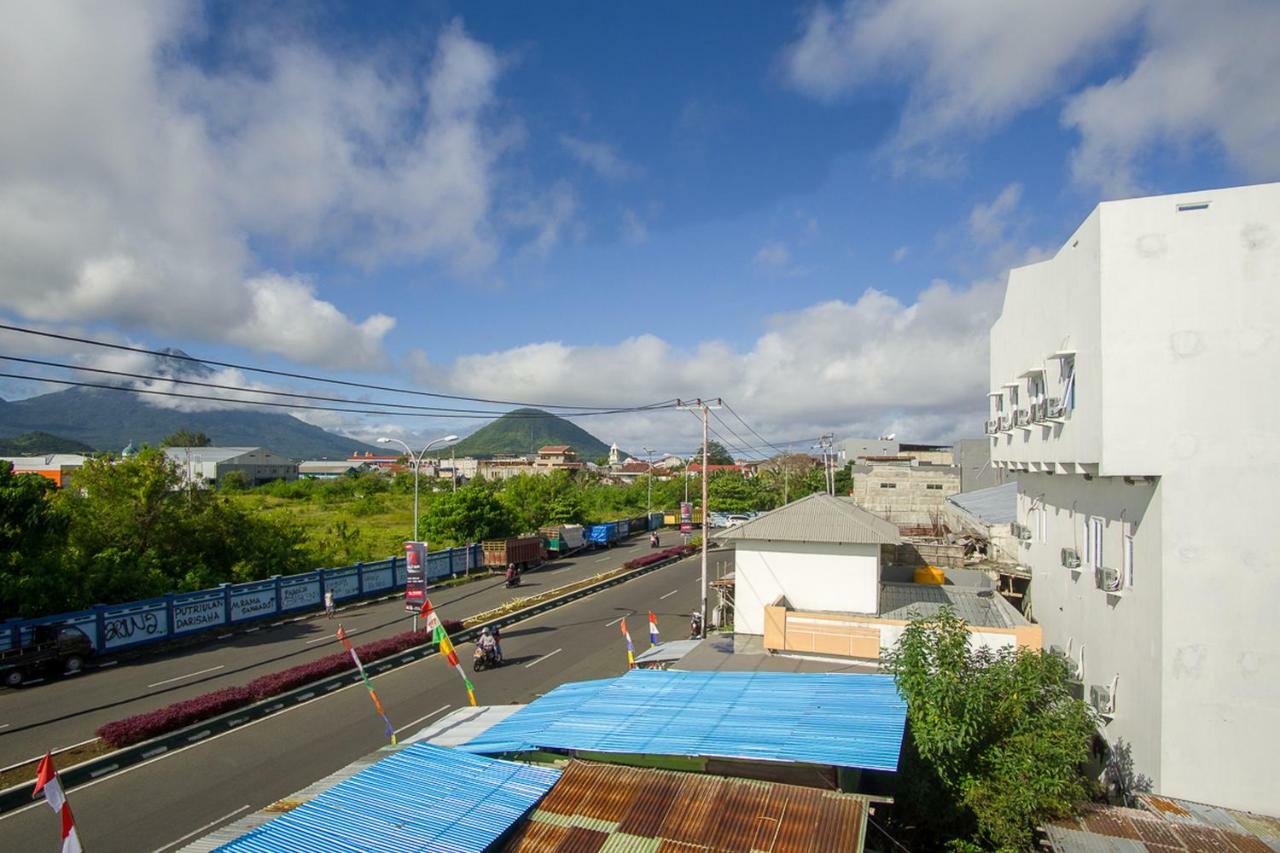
(453, 467)
(828, 468)
(649, 456)
(704, 407)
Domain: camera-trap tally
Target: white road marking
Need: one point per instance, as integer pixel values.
(423, 717)
(333, 636)
(6, 725)
(106, 663)
(210, 825)
(544, 657)
(188, 675)
(668, 595)
(616, 621)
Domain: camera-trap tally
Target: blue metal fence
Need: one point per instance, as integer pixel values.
(113, 627)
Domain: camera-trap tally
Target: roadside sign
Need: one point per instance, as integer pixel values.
(415, 585)
(686, 517)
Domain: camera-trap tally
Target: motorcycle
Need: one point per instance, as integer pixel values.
(695, 627)
(653, 542)
(513, 581)
(485, 659)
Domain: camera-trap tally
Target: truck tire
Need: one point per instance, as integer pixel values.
(74, 664)
(13, 677)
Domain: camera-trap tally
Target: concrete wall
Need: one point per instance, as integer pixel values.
(973, 458)
(1175, 317)
(848, 450)
(843, 578)
(904, 493)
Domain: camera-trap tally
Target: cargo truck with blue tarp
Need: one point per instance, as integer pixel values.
(604, 535)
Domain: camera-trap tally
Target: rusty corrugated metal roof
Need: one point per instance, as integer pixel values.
(1161, 825)
(631, 808)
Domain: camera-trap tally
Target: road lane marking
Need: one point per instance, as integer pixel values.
(423, 717)
(668, 595)
(188, 675)
(207, 826)
(334, 636)
(6, 725)
(616, 621)
(544, 657)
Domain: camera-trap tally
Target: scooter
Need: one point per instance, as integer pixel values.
(485, 659)
(513, 580)
(695, 627)
(653, 541)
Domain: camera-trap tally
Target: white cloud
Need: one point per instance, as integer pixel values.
(773, 255)
(547, 215)
(634, 230)
(848, 366)
(131, 185)
(1206, 72)
(989, 223)
(601, 157)
(900, 254)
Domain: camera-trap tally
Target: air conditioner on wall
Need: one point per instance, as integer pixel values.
(1108, 579)
(1054, 408)
(1070, 559)
(1005, 422)
(1023, 532)
(993, 426)
(1021, 418)
(1040, 411)
(1102, 698)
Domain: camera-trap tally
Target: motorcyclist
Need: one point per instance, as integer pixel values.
(497, 642)
(653, 540)
(513, 575)
(695, 626)
(487, 644)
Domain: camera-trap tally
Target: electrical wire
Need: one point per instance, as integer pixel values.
(206, 397)
(751, 429)
(284, 373)
(245, 390)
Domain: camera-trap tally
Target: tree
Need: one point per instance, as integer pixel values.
(32, 537)
(729, 491)
(995, 739)
(716, 454)
(471, 514)
(234, 481)
(187, 438)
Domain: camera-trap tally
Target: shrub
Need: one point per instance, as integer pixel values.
(170, 718)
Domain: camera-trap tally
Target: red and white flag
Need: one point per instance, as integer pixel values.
(653, 629)
(429, 614)
(47, 781)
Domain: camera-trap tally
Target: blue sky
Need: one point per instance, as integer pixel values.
(807, 209)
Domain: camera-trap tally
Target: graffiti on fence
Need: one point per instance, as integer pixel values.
(198, 614)
(125, 628)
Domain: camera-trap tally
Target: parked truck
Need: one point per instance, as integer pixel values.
(562, 539)
(54, 649)
(525, 551)
(604, 535)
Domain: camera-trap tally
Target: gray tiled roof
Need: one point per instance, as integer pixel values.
(994, 505)
(982, 608)
(817, 518)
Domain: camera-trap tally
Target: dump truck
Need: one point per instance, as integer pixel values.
(54, 649)
(525, 551)
(602, 535)
(562, 539)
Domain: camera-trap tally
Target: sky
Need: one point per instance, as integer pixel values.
(808, 210)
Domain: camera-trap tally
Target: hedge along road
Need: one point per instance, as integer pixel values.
(67, 711)
(190, 792)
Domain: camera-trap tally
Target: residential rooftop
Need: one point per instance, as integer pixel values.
(982, 608)
(819, 518)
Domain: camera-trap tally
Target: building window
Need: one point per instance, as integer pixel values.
(935, 486)
(888, 485)
(1067, 366)
(1127, 551)
(1095, 542)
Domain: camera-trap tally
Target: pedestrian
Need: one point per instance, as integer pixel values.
(328, 603)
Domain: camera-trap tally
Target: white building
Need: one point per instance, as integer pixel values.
(1133, 393)
(204, 465)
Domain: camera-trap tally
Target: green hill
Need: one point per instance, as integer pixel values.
(38, 443)
(524, 431)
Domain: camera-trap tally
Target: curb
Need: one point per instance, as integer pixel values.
(96, 768)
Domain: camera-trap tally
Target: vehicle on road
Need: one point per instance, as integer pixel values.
(525, 551)
(562, 539)
(603, 535)
(485, 658)
(735, 519)
(53, 649)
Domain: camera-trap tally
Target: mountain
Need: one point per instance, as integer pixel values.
(108, 420)
(40, 443)
(524, 431)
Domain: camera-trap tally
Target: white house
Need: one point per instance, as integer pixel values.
(1134, 395)
(204, 465)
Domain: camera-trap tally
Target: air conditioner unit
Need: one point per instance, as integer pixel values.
(1072, 664)
(1040, 411)
(1006, 423)
(1108, 579)
(1103, 698)
(1022, 418)
(1054, 408)
(993, 426)
(1070, 559)
(1022, 531)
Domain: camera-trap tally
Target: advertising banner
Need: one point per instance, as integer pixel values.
(415, 584)
(686, 517)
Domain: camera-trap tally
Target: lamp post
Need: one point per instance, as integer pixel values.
(649, 456)
(416, 461)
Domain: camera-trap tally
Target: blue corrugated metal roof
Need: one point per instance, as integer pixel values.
(421, 798)
(993, 505)
(839, 719)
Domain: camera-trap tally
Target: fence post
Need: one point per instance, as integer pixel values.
(451, 550)
(100, 623)
(168, 614)
(279, 599)
(226, 602)
(359, 579)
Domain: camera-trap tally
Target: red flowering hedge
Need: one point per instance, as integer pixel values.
(658, 556)
(179, 715)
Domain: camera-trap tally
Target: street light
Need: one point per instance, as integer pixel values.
(649, 455)
(417, 464)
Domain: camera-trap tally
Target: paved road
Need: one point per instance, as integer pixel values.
(68, 711)
(179, 796)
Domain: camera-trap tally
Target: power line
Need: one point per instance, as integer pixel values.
(752, 430)
(210, 398)
(245, 390)
(282, 373)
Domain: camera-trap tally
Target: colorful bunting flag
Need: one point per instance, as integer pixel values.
(427, 613)
(48, 782)
(631, 656)
(377, 704)
(653, 629)
(446, 649)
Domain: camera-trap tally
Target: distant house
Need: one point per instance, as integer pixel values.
(389, 462)
(325, 469)
(209, 465)
(554, 455)
(53, 466)
(902, 490)
(807, 580)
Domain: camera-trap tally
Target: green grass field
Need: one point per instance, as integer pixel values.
(343, 531)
